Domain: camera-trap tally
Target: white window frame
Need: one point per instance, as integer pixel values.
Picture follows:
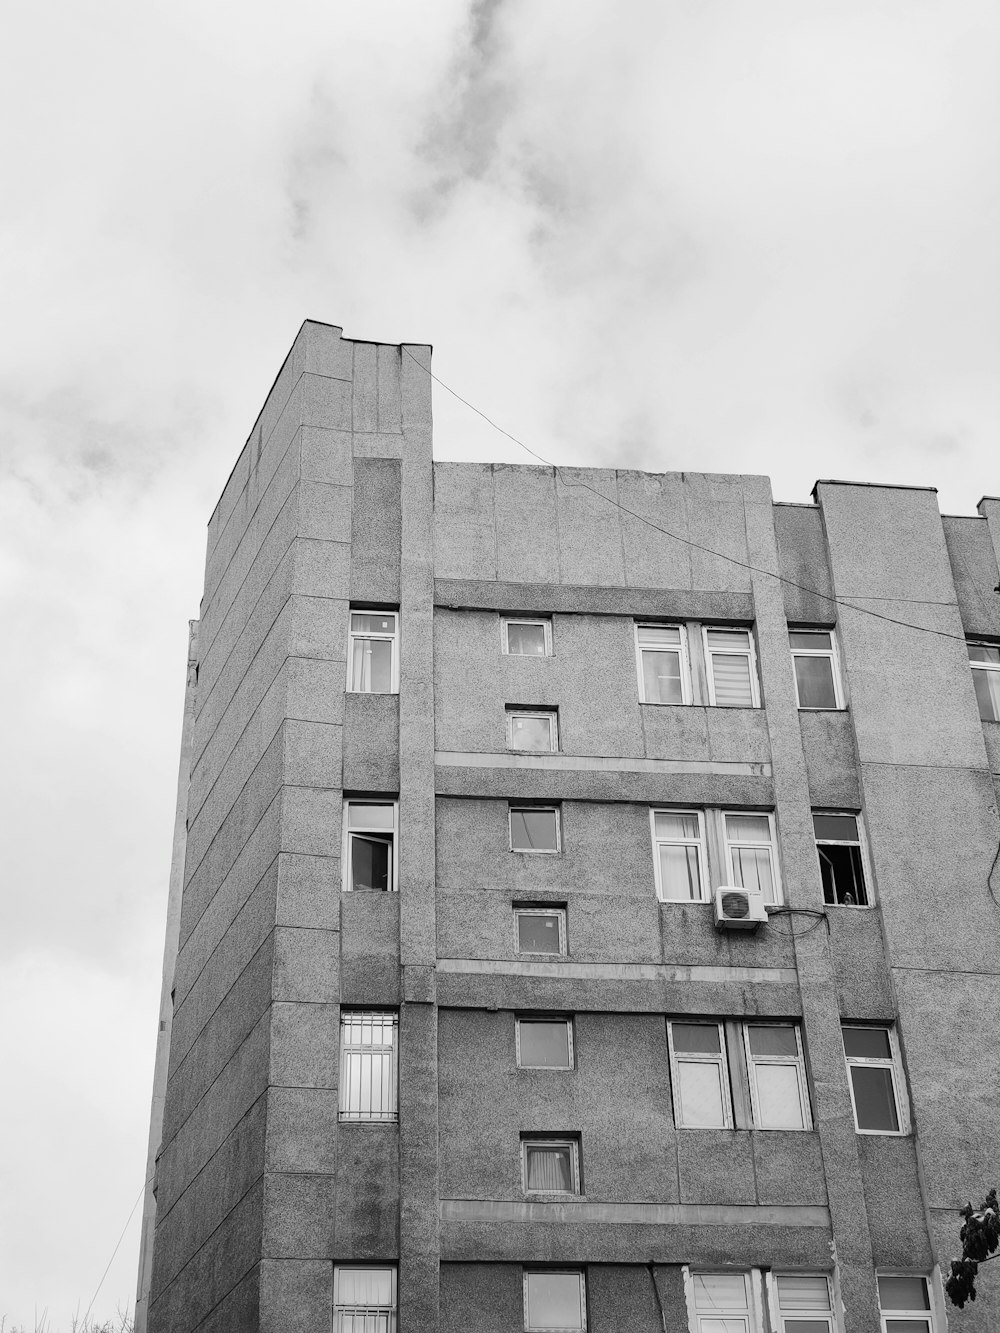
(812, 1314)
(551, 1141)
(730, 843)
(534, 851)
(702, 845)
(752, 1313)
(544, 621)
(989, 667)
(559, 912)
(551, 714)
(386, 1018)
(895, 1067)
(833, 653)
(721, 1060)
(927, 1316)
(579, 1273)
(545, 1018)
(750, 654)
(796, 1062)
(861, 844)
(368, 1311)
(685, 660)
(347, 848)
(355, 636)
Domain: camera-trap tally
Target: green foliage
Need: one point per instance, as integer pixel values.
(980, 1237)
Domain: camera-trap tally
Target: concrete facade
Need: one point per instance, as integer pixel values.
(262, 1188)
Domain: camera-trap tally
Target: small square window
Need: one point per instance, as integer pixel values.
(534, 828)
(679, 855)
(732, 668)
(541, 930)
(369, 843)
(700, 1075)
(984, 659)
(841, 863)
(662, 662)
(751, 850)
(368, 1065)
(778, 1093)
(364, 1300)
(554, 1301)
(875, 1079)
(544, 1043)
(550, 1165)
(373, 653)
(526, 636)
(533, 729)
(904, 1302)
(817, 670)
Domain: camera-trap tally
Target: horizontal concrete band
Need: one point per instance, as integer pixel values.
(616, 971)
(651, 1214)
(587, 599)
(598, 763)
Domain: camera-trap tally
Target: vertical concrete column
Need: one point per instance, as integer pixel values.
(989, 508)
(418, 1106)
(803, 889)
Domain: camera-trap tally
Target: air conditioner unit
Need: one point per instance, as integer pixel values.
(738, 909)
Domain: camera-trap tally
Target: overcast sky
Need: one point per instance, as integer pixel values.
(664, 234)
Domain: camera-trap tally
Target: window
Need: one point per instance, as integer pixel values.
(544, 1043)
(724, 1302)
(664, 675)
(873, 1070)
(700, 1076)
(532, 729)
(751, 855)
(364, 1300)
(369, 837)
(679, 855)
(554, 1302)
(732, 668)
(802, 1302)
(817, 675)
(526, 636)
(534, 828)
(841, 864)
(778, 1095)
(905, 1303)
(761, 1063)
(368, 1066)
(984, 659)
(372, 656)
(540, 930)
(550, 1165)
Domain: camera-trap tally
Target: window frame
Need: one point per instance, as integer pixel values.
(700, 1057)
(752, 1313)
(392, 639)
(527, 805)
(887, 1316)
(347, 843)
(701, 844)
(551, 714)
(532, 909)
(685, 661)
(797, 1062)
(728, 844)
(533, 1140)
(988, 668)
(527, 1273)
(861, 844)
(833, 653)
(390, 1310)
(544, 621)
(750, 654)
(813, 1315)
(545, 1018)
(895, 1066)
(349, 1017)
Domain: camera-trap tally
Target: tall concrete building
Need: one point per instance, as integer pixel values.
(581, 914)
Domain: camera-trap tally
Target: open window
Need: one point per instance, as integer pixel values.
(841, 859)
(370, 846)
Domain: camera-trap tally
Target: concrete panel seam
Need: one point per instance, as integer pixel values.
(599, 763)
(161, 1215)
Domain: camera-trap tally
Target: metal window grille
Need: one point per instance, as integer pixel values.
(368, 1066)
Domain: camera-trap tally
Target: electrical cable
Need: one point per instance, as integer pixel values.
(100, 1284)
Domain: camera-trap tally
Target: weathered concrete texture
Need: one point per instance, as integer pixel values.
(367, 1199)
(864, 985)
(896, 1214)
(973, 560)
(371, 744)
(377, 531)
(711, 605)
(807, 591)
(296, 1295)
(831, 760)
(369, 959)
